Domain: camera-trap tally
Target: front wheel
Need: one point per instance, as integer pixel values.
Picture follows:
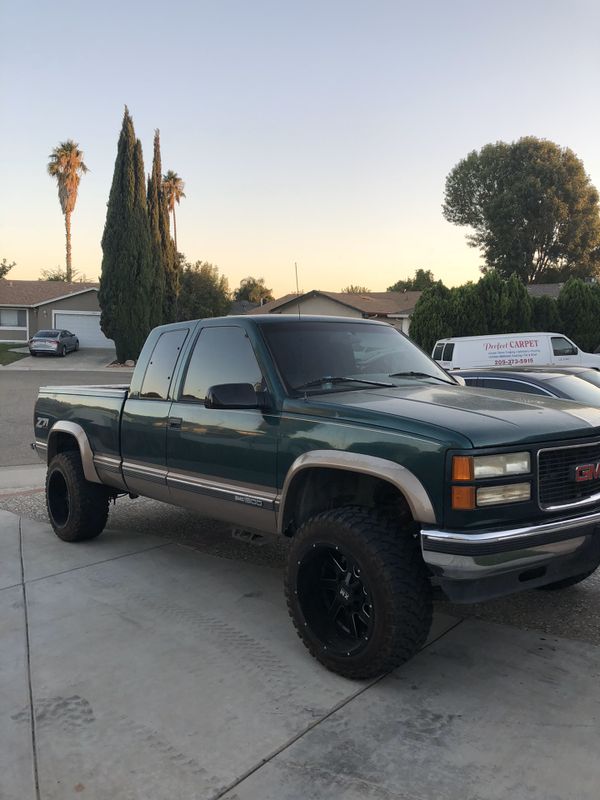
(358, 592)
(78, 509)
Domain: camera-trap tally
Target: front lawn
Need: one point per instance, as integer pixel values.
(6, 357)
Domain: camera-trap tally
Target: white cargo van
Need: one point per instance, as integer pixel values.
(510, 350)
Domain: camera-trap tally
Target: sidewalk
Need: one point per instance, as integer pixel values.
(132, 667)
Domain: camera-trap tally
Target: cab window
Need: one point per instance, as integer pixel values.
(222, 354)
(563, 347)
(162, 365)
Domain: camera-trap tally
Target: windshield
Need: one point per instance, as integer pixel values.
(577, 389)
(307, 352)
(46, 335)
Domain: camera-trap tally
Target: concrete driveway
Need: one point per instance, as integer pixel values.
(84, 360)
(133, 667)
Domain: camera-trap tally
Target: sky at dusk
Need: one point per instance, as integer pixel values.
(316, 132)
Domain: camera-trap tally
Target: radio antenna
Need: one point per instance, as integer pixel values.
(297, 289)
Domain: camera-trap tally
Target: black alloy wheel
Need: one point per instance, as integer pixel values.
(336, 599)
(358, 591)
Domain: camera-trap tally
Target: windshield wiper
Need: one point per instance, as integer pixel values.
(339, 379)
(411, 374)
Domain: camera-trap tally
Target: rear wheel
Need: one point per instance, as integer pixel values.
(63, 351)
(78, 509)
(358, 592)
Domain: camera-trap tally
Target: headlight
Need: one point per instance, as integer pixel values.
(499, 466)
(468, 468)
(509, 493)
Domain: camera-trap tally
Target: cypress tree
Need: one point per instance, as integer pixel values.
(157, 315)
(432, 317)
(127, 264)
(162, 243)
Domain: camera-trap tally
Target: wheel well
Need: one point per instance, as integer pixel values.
(320, 489)
(61, 442)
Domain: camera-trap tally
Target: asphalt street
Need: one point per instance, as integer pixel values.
(18, 392)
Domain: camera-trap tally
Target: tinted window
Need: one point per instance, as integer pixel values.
(162, 364)
(563, 347)
(221, 355)
(514, 386)
(46, 334)
(448, 352)
(437, 353)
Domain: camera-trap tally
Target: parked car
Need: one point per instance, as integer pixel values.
(511, 350)
(387, 476)
(543, 382)
(55, 342)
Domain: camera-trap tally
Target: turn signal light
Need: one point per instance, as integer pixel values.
(463, 497)
(462, 468)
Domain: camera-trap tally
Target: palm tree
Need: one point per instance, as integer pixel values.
(173, 188)
(66, 165)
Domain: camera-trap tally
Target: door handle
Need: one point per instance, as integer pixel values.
(175, 422)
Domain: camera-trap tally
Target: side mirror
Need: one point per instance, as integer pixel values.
(459, 379)
(234, 395)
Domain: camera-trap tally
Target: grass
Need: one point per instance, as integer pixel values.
(6, 357)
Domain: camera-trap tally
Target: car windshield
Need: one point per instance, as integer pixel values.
(577, 389)
(46, 335)
(317, 356)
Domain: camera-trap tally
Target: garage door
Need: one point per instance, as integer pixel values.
(85, 326)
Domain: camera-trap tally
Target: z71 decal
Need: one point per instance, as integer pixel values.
(42, 422)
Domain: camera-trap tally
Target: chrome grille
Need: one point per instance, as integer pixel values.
(557, 485)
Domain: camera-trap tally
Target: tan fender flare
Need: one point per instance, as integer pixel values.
(85, 451)
(403, 479)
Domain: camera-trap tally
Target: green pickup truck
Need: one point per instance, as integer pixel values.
(390, 478)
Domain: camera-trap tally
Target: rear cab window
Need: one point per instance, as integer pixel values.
(161, 365)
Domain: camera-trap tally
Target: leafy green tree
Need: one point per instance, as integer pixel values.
(5, 267)
(467, 314)
(492, 292)
(352, 289)
(532, 208)
(60, 274)
(173, 187)
(545, 314)
(128, 275)
(254, 290)
(67, 166)
(204, 293)
(517, 306)
(423, 279)
(432, 317)
(579, 309)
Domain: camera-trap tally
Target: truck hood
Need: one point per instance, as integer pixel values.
(486, 418)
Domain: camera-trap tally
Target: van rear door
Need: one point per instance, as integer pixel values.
(443, 353)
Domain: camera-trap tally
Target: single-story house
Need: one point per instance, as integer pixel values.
(30, 306)
(392, 307)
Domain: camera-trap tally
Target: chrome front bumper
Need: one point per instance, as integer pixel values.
(482, 564)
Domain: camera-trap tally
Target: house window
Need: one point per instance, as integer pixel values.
(13, 318)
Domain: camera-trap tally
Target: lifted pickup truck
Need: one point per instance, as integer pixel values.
(389, 477)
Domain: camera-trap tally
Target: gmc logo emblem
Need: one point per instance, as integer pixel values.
(587, 472)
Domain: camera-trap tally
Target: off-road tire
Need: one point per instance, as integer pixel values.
(392, 568)
(77, 509)
(566, 582)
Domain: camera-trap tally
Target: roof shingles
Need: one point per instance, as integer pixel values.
(35, 293)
